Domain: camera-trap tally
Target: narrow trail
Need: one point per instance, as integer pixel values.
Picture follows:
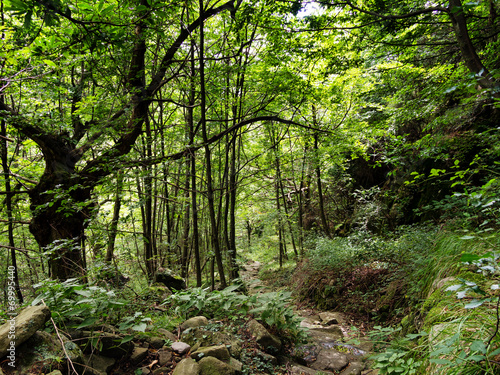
(326, 351)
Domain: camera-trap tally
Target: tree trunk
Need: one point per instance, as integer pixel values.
(61, 206)
(113, 227)
(8, 204)
(208, 161)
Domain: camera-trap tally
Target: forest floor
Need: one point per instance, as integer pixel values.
(337, 343)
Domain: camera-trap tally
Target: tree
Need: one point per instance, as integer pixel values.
(88, 129)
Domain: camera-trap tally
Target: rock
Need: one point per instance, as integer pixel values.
(161, 371)
(167, 334)
(138, 354)
(164, 357)
(263, 337)
(330, 361)
(354, 368)
(100, 364)
(235, 348)
(145, 370)
(213, 366)
(333, 329)
(20, 328)
(188, 366)
(236, 365)
(158, 292)
(197, 321)
(156, 342)
(169, 279)
(55, 372)
(329, 318)
(180, 347)
(220, 352)
(108, 344)
(202, 337)
(45, 352)
(302, 370)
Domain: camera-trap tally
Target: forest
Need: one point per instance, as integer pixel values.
(349, 149)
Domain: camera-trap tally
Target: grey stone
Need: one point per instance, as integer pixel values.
(333, 329)
(167, 334)
(108, 344)
(188, 366)
(329, 318)
(263, 337)
(161, 371)
(197, 321)
(45, 351)
(330, 361)
(21, 327)
(138, 354)
(169, 279)
(164, 357)
(145, 370)
(236, 365)
(55, 372)
(156, 342)
(219, 352)
(302, 370)
(354, 368)
(180, 347)
(213, 366)
(100, 364)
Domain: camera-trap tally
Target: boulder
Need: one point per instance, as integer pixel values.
(236, 365)
(180, 347)
(263, 337)
(329, 360)
(138, 355)
(197, 321)
(20, 328)
(167, 334)
(188, 366)
(106, 344)
(169, 279)
(213, 366)
(155, 342)
(164, 356)
(219, 351)
(329, 318)
(97, 364)
(161, 371)
(45, 352)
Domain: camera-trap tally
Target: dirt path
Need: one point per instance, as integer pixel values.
(327, 351)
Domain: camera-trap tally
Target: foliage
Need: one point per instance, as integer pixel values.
(80, 306)
(272, 308)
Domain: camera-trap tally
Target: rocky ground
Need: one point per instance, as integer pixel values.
(198, 347)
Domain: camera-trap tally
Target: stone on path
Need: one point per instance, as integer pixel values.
(197, 321)
(263, 337)
(167, 334)
(22, 326)
(219, 351)
(98, 363)
(164, 356)
(329, 318)
(180, 347)
(213, 366)
(138, 354)
(188, 366)
(330, 360)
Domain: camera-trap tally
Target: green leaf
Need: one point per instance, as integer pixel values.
(440, 361)
(474, 304)
(87, 322)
